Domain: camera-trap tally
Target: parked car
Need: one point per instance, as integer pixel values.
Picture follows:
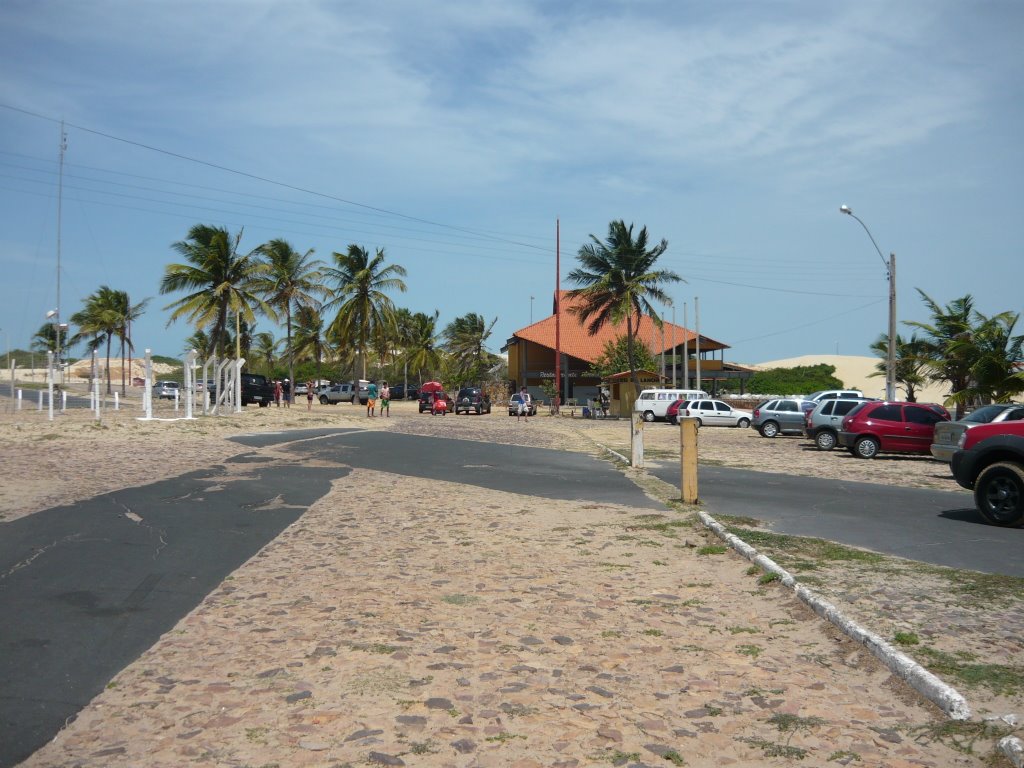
(990, 461)
(329, 394)
(301, 388)
(472, 400)
(672, 412)
(399, 392)
(427, 401)
(514, 402)
(877, 426)
(783, 416)
(256, 389)
(713, 413)
(822, 424)
(831, 394)
(653, 403)
(947, 434)
(167, 390)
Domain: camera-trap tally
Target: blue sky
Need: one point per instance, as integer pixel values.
(453, 135)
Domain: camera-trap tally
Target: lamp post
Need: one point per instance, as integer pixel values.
(890, 267)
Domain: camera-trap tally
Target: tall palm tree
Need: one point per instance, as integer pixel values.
(997, 354)
(910, 365)
(948, 348)
(618, 282)
(464, 341)
(422, 350)
(364, 311)
(310, 340)
(293, 280)
(127, 313)
(219, 281)
(99, 320)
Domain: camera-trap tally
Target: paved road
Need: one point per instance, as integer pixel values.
(85, 589)
(937, 527)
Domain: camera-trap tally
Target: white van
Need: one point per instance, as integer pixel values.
(653, 403)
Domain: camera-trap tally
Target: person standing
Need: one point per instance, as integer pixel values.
(524, 404)
(385, 399)
(277, 392)
(286, 392)
(309, 395)
(371, 398)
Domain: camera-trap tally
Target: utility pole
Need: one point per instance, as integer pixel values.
(60, 201)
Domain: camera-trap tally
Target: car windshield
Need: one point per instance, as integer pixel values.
(984, 415)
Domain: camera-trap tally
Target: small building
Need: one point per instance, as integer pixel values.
(531, 354)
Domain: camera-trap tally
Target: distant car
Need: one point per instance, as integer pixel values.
(672, 412)
(897, 427)
(782, 416)
(822, 424)
(329, 394)
(713, 413)
(167, 390)
(427, 401)
(472, 400)
(399, 392)
(834, 394)
(301, 389)
(944, 442)
(516, 400)
(990, 462)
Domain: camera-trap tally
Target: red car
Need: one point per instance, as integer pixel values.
(672, 412)
(895, 427)
(991, 463)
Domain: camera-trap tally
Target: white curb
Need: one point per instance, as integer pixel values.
(1013, 748)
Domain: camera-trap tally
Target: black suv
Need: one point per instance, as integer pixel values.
(472, 399)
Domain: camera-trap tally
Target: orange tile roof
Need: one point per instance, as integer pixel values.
(575, 340)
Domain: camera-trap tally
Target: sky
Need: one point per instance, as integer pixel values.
(455, 135)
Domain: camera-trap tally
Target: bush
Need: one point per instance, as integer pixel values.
(803, 379)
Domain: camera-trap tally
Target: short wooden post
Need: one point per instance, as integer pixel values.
(688, 459)
(636, 440)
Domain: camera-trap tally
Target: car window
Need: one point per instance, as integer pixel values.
(720, 406)
(916, 415)
(826, 409)
(787, 406)
(843, 407)
(706, 406)
(1015, 415)
(770, 405)
(887, 412)
(984, 415)
(646, 395)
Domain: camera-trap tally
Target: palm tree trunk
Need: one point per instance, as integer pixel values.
(291, 358)
(630, 353)
(108, 363)
(122, 366)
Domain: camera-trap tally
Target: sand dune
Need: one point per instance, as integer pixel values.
(855, 372)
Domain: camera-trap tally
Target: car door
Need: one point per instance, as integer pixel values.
(919, 427)
(789, 415)
(723, 416)
(706, 412)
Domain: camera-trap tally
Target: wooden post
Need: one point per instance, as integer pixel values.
(688, 459)
(636, 440)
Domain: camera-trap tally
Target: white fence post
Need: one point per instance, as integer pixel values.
(49, 383)
(147, 395)
(117, 401)
(238, 384)
(190, 385)
(19, 399)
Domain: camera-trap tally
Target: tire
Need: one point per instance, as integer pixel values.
(999, 494)
(769, 429)
(477, 410)
(699, 423)
(743, 423)
(324, 400)
(866, 448)
(825, 440)
(263, 405)
(648, 416)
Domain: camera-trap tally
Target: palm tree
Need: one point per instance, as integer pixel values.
(292, 281)
(910, 365)
(103, 317)
(618, 282)
(464, 341)
(365, 313)
(219, 280)
(310, 341)
(127, 313)
(997, 353)
(422, 349)
(201, 343)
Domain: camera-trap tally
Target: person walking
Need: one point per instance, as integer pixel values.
(385, 399)
(524, 404)
(371, 398)
(309, 395)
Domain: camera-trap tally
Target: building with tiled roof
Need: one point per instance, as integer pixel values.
(531, 352)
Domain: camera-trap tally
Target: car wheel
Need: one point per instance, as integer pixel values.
(866, 448)
(999, 494)
(825, 440)
(699, 423)
(648, 416)
(262, 404)
(743, 423)
(324, 400)
(769, 429)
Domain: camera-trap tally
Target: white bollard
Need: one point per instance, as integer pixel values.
(63, 401)
(117, 401)
(19, 399)
(175, 401)
(40, 399)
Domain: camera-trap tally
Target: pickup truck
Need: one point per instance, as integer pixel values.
(329, 394)
(990, 461)
(255, 389)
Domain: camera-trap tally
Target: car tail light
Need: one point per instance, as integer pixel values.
(757, 412)
(807, 420)
(963, 440)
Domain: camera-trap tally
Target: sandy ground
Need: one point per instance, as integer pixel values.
(422, 622)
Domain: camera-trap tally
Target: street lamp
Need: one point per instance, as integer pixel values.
(890, 266)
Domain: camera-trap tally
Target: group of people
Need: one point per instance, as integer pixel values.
(282, 391)
(372, 393)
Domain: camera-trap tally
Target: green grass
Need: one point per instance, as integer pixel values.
(906, 638)
(712, 549)
(1000, 679)
(459, 599)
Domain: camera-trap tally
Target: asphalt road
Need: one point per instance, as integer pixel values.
(938, 527)
(85, 589)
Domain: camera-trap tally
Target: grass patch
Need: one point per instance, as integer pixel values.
(804, 548)
(1000, 679)
(712, 549)
(753, 651)
(673, 757)
(961, 735)
(741, 630)
(768, 578)
(906, 638)
(653, 632)
(614, 566)
(459, 599)
(504, 736)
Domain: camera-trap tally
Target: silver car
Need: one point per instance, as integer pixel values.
(822, 424)
(782, 416)
(947, 433)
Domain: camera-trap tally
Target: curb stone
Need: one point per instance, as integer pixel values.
(1013, 748)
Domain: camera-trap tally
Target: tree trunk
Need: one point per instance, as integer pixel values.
(108, 364)
(631, 354)
(291, 357)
